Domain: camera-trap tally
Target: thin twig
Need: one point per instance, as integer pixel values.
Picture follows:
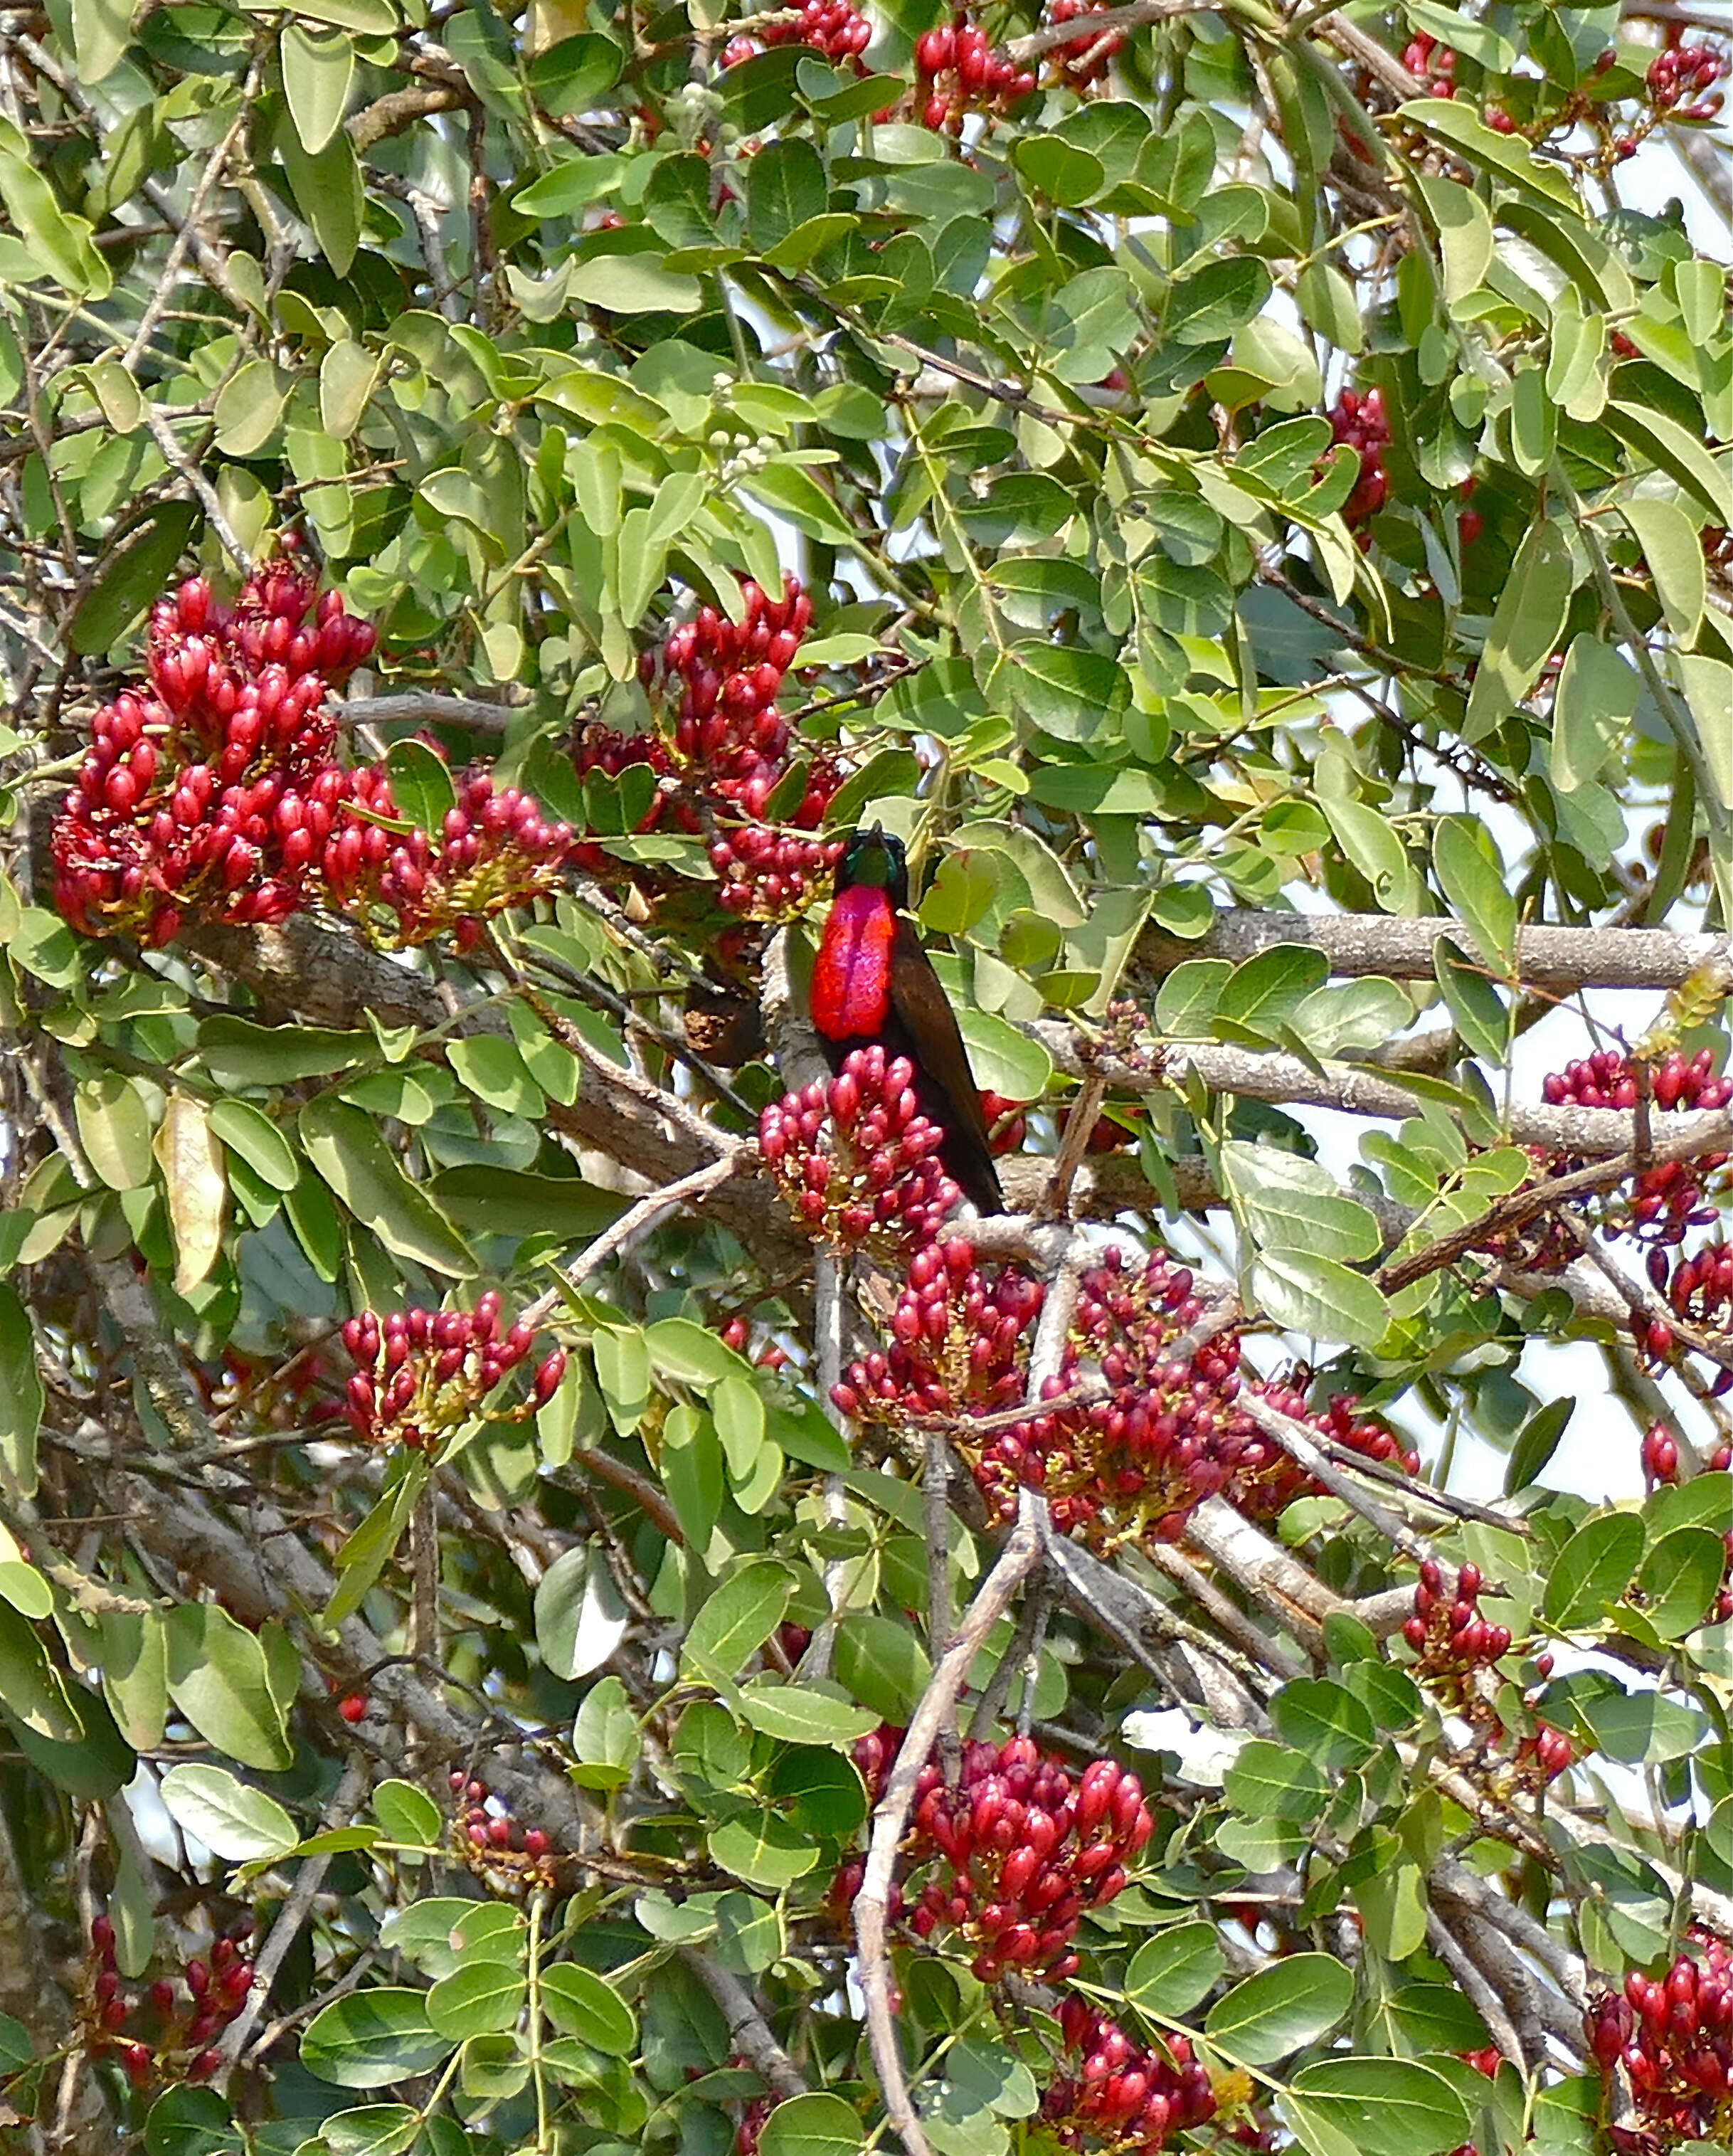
(1080, 1120)
(292, 1915)
(746, 2024)
(633, 1221)
(1016, 1560)
(1297, 1441)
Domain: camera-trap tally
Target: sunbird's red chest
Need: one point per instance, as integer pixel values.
(851, 975)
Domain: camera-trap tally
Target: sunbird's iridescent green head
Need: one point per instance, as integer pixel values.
(877, 861)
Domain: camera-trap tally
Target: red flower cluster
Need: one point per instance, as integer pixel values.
(957, 71)
(1451, 1638)
(1006, 1123)
(729, 751)
(183, 2032)
(1169, 1430)
(1661, 1454)
(1434, 64)
(1674, 2036)
(495, 850)
(1086, 58)
(856, 1158)
(834, 28)
(1123, 2095)
(216, 791)
(1543, 1756)
(195, 783)
(494, 1843)
(1360, 421)
(1015, 1852)
(750, 2132)
(422, 1373)
(1701, 1291)
(1668, 1199)
(1679, 78)
(955, 1334)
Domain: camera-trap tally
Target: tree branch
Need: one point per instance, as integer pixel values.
(1016, 1560)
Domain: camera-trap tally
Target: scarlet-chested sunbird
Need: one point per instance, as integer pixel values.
(874, 984)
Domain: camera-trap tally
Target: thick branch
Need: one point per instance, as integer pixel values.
(1560, 960)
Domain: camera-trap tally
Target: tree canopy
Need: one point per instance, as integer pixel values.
(559, 1591)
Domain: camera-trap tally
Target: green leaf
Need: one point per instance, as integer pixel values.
(815, 2124)
(1674, 554)
(801, 1714)
(1072, 694)
(371, 2039)
(318, 66)
(140, 562)
(1170, 1974)
(421, 784)
(1680, 1580)
(373, 2129)
(1325, 1720)
(1508, 156)
(785, 187)
(59, 244)
(1597, 697)
(346, 1150)
(1290, 1203)
(1327, 305)
(1211, 303)
(1526, 624)
(506, 1201)
(692, 1471)
(1272, 1781)
(238, 1053)
(242, 1824)
(1371, 845)
(1675, 451)
(495, 1072)
(1536, 1443)
(1397, 2106)
(31, 1687)
(1293, 2003)
(1262, 992)
(736, 1621)
(763, 1848)
(101, 31)
(185, 2121)
(364, 1554)
(605, 1737)
(251, 1135)
(217, 1677)
(1708, 685)
(1063, 173)
(1306, 1293)
(478, 1999)
(328, 192)
(195, 1186)
(583, 2004)
(1003, 1060)
(570, 77)
(17, 2050)
(795, 494)
(881, 1663)
(580, 1618)
(22, 1396)
(632, 285)
(1472, 878)
(1592, 1569)
(408, 1814)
